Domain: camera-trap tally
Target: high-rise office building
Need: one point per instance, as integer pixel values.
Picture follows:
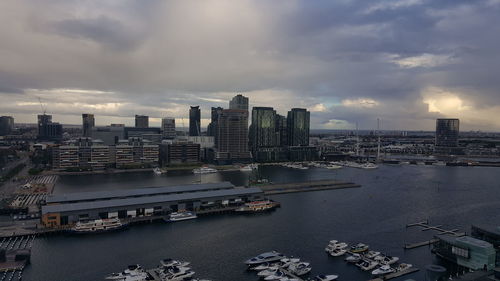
(239, 102)
(447, 131)
(6, 125)
(232, 134)
(88, 124)
(212, 127)
(168, 128)
(48, 130)
(281, 131)
(298, 127)
(141, 121)
(194, 121)
(263, 128)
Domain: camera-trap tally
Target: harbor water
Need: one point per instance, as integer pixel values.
(377, 213)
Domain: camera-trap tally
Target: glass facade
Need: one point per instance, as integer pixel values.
(447, 132)
(298, 127)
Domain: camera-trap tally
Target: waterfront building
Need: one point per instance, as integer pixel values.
(88, 123)
(281, 131)
(65, 157)
(298, 127)
(124, 155)
(6, 125)
(465, 251)
(212, 127)
(194, 121)
(239, 102)
(447, 131)
(142, 121)
(232, 135)
(48, 130)
(100, 157)
(67, 209)
(179, 153)
(132, 132)
(490, 234)
(109, 135)
(168, 128)
(263, 136)
(143, 152)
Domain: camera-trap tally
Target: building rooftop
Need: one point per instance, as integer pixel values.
(141, 192)
(82, 206)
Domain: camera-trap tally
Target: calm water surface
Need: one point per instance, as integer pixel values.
(376, 213)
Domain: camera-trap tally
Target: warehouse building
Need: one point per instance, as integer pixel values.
(68, 209)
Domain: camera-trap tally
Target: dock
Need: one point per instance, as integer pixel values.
(426, 227)
(280, 188)
(396, 274)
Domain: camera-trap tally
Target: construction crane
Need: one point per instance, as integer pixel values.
(41, 105)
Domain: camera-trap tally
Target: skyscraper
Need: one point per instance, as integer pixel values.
(447, 131)
(232, 134)
(48, 130)
(194, 121)
(168, 128)
(281, 131)
(298, 127)
(88, 124)
(141, 121)
(6, 125)
(239, 102)
(263, 128)
(212, 127)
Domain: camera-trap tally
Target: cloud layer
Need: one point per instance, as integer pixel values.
(404, 61)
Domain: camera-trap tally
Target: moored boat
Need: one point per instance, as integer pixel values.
(204, 170)
(97, 226)
(265, 257)
(181, 216)
(257, 206)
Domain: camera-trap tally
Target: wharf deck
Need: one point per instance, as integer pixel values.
(396, 274)
(426, 227)
(420, 244)
(281, 188)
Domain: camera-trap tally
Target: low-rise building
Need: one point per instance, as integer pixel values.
(466, 251)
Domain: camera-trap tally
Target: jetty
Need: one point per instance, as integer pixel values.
(426, 227)
(307, 186)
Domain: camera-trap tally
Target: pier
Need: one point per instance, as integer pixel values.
(280, 188)
(426, 227)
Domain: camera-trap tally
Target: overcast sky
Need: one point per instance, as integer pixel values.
(406, 62)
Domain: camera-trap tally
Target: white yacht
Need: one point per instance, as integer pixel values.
(276, 276)
(172, 262)
(249, 168)
(337, 252)
(157, 171)
(204, 170)
(366, 264)
(181, 216)
(265, 257)
(371, 254)
(267, 272)
(257, 206)
(384, 269)
(175, 273)
(384, 259)
(353, 258)
(97, 226)
(300, 268)
(264, 266)
(368, 166)
(403, 266)
(132, 273)
(359, 248)
(325, 277)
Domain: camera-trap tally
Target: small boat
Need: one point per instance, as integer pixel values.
(403, 266)
(334, 244)
(264, 266)
(286, 262)
(276, 276)
(267, 272)
(204, 170)
(172, 262)
(333, 167)
(359, 248)
(257, 206)
(371, 254)
(388, 260)
(175, 273)
(265, 257)
(157, 171)
(300, 268)
(181, 216)
(353, 258)
(325, 277)
(366, 264)
(249, 168)
(383, 270)
(97, 226)
(132, 273)
(337, 252)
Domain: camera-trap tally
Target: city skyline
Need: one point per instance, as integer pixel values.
(407, 62)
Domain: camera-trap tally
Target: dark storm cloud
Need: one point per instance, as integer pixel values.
(405, 61)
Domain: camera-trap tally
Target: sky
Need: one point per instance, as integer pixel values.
(406, 62)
